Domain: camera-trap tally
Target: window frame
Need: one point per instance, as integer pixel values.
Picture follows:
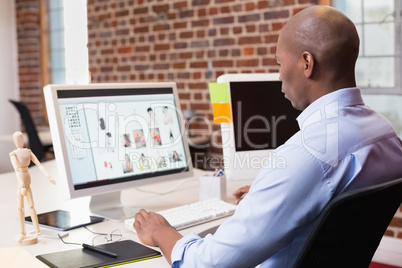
(397, 88)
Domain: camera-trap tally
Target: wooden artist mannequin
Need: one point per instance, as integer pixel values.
(20, 159)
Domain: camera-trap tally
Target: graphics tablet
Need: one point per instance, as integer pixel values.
(64, 220)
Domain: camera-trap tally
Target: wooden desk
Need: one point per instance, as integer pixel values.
(47, 198)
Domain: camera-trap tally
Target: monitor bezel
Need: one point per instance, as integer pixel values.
(227, 130)
(57, 133)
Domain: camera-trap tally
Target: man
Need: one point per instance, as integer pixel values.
(342, 145)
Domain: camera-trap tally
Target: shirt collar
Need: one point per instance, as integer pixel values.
(344, 97)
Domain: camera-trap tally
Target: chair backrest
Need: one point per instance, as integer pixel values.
(34, 142)
(351, 227)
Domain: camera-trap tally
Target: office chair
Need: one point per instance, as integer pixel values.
(35, 144)
(351, 226)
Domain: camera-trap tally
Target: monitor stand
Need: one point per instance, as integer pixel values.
(109, 206)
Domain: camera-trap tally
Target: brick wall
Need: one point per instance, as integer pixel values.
(190, 42)
(28, 39)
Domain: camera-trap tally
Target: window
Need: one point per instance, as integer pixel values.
(379, 25)
(68, 42)
(57, 63)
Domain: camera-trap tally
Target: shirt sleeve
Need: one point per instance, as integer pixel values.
(267, 219)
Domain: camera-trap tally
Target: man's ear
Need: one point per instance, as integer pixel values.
(308, 64)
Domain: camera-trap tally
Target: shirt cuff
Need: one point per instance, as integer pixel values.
(180, 248)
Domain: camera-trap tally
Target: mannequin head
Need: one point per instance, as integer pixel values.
(18, 138)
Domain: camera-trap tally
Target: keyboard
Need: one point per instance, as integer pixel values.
(192, 214)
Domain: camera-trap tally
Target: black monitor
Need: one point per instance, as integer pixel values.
(262, 120)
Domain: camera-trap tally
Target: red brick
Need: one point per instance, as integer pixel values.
(237, 30)
(161, 27)
(247, 63)
(186, 35)
(250, 28)
(247, 51)
(277, 26)
(198, 96)
(250, 40)
(121, 13)
(396, 222)
(199, 85)
(107, 51)
(197, 75)
(160, 8)
(158, 47)
(180, 65)
(180, 25)
(223, 52)
(184, 96)
(199, 64)
(225, 9)
(223, 1)
(180, 45)
(142, 49)
(223, 20)
(200, 2)
(272, 38)
(200, 44)
(213, 11)
(224, 31)
(389, 233)
(269, 61)
(224, 42)
(281, 14)
(141, 29)
(184, 75)
(262, 51)
(124, 68)
(200, 106)
(201, 34)
(186, 55)
(262, 4)
(122, 32)
(186, 14)
(223, 63)
(125, 50)
(142, 67)
(202, 12)
(161, 66)
(200, 23)
(180, 5)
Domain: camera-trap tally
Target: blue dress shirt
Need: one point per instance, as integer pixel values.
(342, 145)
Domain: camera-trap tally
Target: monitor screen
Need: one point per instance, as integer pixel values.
(108, 137)
(262, 120)
(262, 117)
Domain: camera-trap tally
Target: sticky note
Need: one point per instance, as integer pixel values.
(218, 92)
(221, 112)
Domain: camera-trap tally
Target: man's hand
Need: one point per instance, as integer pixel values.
(154, 230)
(148, 223)
(240, 193)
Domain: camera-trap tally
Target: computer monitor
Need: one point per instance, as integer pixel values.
(111, 137)
(262, 120)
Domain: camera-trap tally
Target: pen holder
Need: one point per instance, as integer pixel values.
(212, 187)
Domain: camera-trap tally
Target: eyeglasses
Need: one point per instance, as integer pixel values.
(101, 238)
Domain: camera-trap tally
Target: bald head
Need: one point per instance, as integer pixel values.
(317, 52)
(327, 34)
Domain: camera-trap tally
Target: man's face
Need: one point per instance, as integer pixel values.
(291, 73)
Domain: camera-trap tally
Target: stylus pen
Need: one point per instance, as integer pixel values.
(99, 250)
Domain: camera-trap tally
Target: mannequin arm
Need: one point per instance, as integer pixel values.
(42, 168)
